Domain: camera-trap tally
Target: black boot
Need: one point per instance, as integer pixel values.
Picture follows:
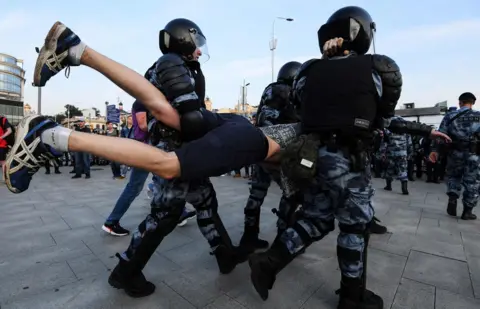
(129, 277)
(467, 214)
(405, 187)
(376, 228)
(228, 256)
(250, 241)
(266, 265)
(388, 187)
(452, 206)
(353, 295)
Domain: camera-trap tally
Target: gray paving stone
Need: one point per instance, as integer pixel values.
(57, 236)
(224, 302)
(474, 268)
(414, 295)
(34, 258)
(86, 266)
(36, 280)
(448, 300)
(97, 294)
(448, 274)
(471, 243)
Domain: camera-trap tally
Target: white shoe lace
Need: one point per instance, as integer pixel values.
(26, 158)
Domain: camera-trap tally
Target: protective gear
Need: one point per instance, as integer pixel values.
(353, 291)
(275, 107)
(405, 187)
(265, 266)
(349, 107)
(392, 82)
(467, 214)
(351, 23)
(193, 126)
(129, 277)
(400, 126)
(452, 205)
(287, 72)
(183, 37)
(173, 77)
(183, 84)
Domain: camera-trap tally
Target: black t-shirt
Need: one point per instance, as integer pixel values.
(138, 107)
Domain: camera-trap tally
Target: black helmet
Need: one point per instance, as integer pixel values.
(351, 23)
(288, 72)
(183, 37)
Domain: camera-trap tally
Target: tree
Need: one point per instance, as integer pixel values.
(74, 111)
(97, 111)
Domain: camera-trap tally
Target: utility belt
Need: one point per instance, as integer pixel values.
(158, 132)
(299, 159)
(465, 146)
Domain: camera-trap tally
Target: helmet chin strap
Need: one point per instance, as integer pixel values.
(373, 30)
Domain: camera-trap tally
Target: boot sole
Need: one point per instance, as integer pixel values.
(255, 268)
(116, 284)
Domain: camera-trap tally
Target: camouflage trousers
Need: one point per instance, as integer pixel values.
(167, 205)
(336, 193)
(261, 180)
(463, 170)
(169, 199)
(396, 168)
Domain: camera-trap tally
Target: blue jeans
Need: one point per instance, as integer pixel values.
(132, 190)
(82, 163)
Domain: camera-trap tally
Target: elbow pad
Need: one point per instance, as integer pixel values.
(414, 128)
(193, 126)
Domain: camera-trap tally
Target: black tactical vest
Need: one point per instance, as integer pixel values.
(339, 97)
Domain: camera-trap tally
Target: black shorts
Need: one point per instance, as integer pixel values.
(232, 145)
(3, 154)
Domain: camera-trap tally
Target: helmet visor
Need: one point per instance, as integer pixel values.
(201, 44)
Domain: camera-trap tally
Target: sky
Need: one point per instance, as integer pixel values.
(434, 42)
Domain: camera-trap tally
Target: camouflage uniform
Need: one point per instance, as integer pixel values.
(396, 150)
(170, 196)
(273, 109)
(462, 163)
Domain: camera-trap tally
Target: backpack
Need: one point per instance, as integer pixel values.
(10, 139)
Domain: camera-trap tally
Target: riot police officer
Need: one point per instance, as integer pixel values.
(274, 108)
(340, 107)
(463, 160)
(397, 149)
(178, 75)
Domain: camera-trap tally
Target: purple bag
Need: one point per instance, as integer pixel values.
(135, 132)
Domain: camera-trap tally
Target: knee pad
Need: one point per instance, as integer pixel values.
(362, 231)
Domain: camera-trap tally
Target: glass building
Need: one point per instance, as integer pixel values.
(12, 83)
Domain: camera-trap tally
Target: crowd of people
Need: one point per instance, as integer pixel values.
(314, 132)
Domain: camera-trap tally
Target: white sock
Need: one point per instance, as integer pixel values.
(57, 138)
(75, 53)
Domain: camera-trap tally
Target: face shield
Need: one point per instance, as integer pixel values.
(201, 53)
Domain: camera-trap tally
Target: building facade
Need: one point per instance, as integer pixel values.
(12, 84)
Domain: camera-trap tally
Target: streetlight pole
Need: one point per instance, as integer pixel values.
(39, 101)
(244, 95)
(273, 43)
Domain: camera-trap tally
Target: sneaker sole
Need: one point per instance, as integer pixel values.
(107, 230)
(47, 50)
(22, 131)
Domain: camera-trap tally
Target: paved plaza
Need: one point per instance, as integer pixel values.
(55, 255)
